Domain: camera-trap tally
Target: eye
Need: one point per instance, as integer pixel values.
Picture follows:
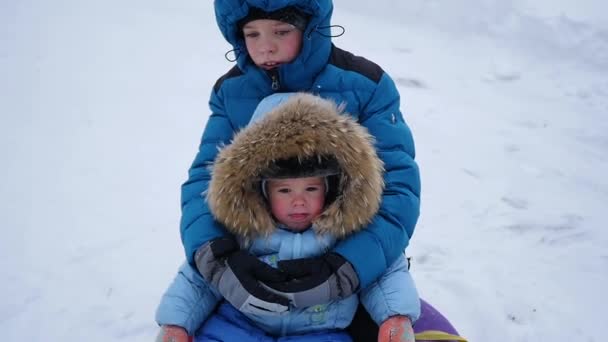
(313, 189)
(283, 32)
(251, 34)
(283, 190)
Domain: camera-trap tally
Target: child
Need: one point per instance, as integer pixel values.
(289, 186)
(285, 46)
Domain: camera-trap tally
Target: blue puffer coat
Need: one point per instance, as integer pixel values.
(189, 300)
(323, 69)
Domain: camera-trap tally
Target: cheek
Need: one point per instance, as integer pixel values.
(318, 203)
(294, 46)
(278, 207)
(250, 48)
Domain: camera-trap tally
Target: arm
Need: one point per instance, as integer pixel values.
(389, 233)
(393, 294)
(188, 301)
(393, 303)
(197, 224)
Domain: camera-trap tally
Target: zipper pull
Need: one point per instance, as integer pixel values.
(274, 77)
(275, 82)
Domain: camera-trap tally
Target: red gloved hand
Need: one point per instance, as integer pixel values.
(173, 333)
(396, 329)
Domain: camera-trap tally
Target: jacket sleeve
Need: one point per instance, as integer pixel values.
(197, 225)
(188, 301)
(393, 294)
(387, 236)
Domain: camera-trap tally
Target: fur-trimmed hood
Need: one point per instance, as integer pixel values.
(303, 126)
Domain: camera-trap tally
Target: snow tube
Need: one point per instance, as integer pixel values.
(433, 326)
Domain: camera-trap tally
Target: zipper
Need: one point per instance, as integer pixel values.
(297, 246)
(296, 253)
(274, 76)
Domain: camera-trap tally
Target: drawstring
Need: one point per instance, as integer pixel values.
(318, 28)
(236, 55)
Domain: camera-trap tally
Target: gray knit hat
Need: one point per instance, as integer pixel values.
(314, 166)
(289, 14)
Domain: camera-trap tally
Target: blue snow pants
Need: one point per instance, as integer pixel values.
(228, 324)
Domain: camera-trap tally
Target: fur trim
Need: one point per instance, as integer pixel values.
(303, 126)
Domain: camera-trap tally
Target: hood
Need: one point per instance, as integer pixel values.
(303, 126)
(316, 43)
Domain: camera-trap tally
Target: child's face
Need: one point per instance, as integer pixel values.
(271, 43)
(296, 202)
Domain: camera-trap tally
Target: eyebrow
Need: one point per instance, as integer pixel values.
(286, 183)
(278, 183)
(279, 24)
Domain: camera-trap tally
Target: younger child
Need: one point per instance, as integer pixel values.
(290, 186)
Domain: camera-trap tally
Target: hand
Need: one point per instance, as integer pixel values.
(237, 274)
(396, 329)
(173, 333)
(317, 280)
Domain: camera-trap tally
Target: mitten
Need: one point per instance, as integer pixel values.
(236, 274)
(396, 329)
(173, 333)
(317, 280)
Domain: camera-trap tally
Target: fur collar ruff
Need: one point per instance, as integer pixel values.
(303, 126)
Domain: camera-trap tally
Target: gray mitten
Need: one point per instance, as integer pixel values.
(236, 274)
(317, 280)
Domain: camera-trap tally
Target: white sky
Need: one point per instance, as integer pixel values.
(102, 105)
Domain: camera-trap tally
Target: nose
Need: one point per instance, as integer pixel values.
(298, 200)
(267, 46)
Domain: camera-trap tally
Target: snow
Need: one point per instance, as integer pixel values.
(102, 105)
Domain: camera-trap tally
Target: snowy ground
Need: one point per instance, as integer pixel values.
(102, 105)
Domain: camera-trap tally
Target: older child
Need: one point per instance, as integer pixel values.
(289, 186)
(283, 46)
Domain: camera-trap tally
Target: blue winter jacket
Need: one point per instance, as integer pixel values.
(189, 301)
(321, 68)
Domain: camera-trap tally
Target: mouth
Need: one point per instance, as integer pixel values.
(298, 216)
(270, 65)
